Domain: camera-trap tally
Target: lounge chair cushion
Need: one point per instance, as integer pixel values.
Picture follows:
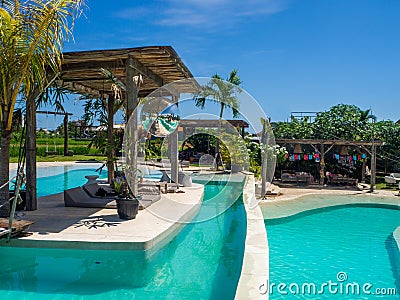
(77, 197)
(96, 191)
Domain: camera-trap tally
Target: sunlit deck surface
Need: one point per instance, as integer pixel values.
(57, 226)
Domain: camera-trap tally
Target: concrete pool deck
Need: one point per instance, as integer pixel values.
(57, 226)
(396, 235)
(296, 200)
(255, 267)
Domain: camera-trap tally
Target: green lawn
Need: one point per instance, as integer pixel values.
(55, 158)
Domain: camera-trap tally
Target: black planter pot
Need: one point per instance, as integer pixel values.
(127, 208)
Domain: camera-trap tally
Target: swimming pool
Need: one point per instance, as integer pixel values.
(202, 262)
(348, 244)
(56, 179)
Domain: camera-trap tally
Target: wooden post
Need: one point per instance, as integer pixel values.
(373, 167)
(322, 163)
(173, 141)
(263, 162)
(131, 88)
(110, 138)
(66, 135)
(364, 164)
(31, 189)
(131, 130)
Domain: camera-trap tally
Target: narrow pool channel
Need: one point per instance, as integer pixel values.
(202, 262)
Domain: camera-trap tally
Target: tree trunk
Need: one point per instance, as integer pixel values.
(110, 139)
(4, 173)
(31, 190)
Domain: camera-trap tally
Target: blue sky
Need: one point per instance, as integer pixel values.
(292, 55)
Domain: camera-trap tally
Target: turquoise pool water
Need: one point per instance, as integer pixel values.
(353, 242)
(202, 262)
(58, 183)
(52, 180)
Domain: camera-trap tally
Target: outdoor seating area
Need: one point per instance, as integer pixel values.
(297, 177)
(342, 180)
(96, 195)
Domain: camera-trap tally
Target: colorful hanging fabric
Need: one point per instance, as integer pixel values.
(354, 157)
(316, 155)
(305, 157)
(337, 156)
(363, 155)
(296, 157)
(310, 157)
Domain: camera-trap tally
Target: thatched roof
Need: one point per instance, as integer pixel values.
(83, 71)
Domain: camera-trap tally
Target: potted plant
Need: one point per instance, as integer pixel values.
(127, 204)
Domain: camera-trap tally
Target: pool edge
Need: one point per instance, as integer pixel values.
(255, 267)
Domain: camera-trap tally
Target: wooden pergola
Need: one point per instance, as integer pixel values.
(133, 72)
(88, 72)
(191, 123)
(319, 145)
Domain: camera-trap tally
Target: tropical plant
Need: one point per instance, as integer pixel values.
(31, 40)
(225, 94)
(103, 110)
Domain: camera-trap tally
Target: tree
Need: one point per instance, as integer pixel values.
(297, 129)
(225, 94)
(343, 121)
(31, 40)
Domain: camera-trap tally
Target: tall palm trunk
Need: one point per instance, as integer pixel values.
(4, 173)
(31, 191)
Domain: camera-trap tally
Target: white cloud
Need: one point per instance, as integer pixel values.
(203, 13)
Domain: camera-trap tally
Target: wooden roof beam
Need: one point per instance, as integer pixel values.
(90, 66)
(327, 142)
(80, 88)
(145, 71)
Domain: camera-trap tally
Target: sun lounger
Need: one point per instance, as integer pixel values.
(149, 193)
(183, 179)
(78, 197)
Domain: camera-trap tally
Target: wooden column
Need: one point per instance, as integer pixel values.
(364, 164)
(66, 135)
(131, 130)
(110, 138)
(131, 88)
(31, 189)
(174, 152)
(322, 164)
(373, 167)
(263, 163)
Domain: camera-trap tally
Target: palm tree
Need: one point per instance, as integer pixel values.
(224, 93)
(31, 40)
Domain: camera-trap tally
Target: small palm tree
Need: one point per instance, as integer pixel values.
(222, 92)
(31, 39)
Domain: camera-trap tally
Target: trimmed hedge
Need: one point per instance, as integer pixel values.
(41, 150)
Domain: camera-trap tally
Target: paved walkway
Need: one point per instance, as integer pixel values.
(90, 228)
